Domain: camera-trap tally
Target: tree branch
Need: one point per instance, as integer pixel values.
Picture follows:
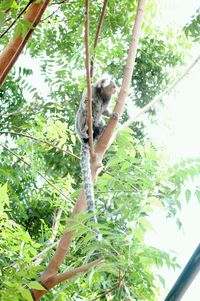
(159, 97)
(89, 88)
(102, 145)
(31, 109)
(82, 269)
(29, 165)
(63, 245)
(41, 141)
(15, 20)
(105, 139)
(39, 257)
(114, 287)
(13, 49)
(55, 226)
(51, 282)
(97, 36)
(55, 11)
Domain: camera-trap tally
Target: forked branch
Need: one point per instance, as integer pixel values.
(53, 281)
(65, 242)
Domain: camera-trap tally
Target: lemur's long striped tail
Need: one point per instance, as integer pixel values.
(87, 179)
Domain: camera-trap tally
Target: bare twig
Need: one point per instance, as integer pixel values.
(50, 15)
(39, 257)
(28, 164)
(41, 141)
(89, 88)
(97, 36)
(114, 287)
(30, 109)
(64, 1)
(159, 97)
(55, 225)
(15, 20)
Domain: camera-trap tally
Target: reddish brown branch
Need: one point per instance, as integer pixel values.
(63, 245)
(103, 143)
(105, 139)
(15, 20)
(97, 36)
(53, 281)
(89, 88)
(13, 49)
(82, 269)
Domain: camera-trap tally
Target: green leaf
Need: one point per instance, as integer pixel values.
(197, 193)
(3, 195)
(155, 201)
(6, 4)
(2, 17)
(22, 27)
(187, 195)
(36, 285)
(26, 294)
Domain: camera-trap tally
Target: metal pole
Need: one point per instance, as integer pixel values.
(186, 277)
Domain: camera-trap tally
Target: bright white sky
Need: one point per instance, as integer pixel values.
(178, 131)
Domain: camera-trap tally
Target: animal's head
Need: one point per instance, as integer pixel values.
(107, 86)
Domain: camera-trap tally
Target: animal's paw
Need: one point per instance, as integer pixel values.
(115, 115)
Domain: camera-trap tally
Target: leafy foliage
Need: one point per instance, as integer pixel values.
(39, 168)
(16, 252)
(155, 59)
(192, 29)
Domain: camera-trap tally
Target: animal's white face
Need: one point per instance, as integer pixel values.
(108, 86)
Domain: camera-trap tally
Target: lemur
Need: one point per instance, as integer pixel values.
(102, 92)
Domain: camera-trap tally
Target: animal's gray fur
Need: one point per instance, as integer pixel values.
(101, 95)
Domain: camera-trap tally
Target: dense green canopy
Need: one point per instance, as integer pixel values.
(39, 168)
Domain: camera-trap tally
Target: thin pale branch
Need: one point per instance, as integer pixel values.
(49, 182)
(39, 257)
(106, 137)
(30, 109)
(89, 88)
(50, 15)
(159, 97)
(113, 288)
(55, 11)
(41, 141)
(15, 20)
(55, 226)
(97, 36)
(36, 260)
